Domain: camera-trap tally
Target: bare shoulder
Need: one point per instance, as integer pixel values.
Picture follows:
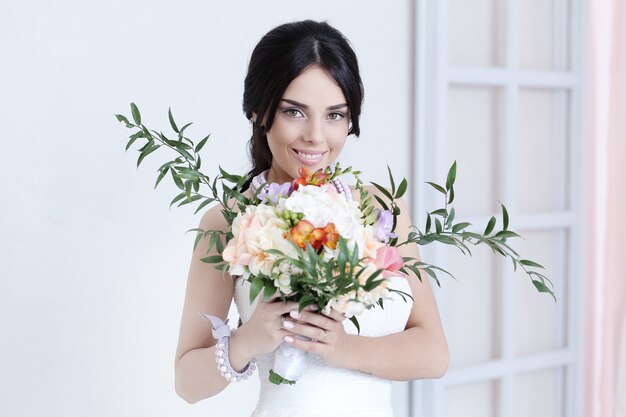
(213, 219)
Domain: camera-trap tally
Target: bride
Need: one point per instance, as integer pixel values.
(303, 95)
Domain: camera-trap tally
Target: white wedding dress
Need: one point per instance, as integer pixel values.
(325, 391)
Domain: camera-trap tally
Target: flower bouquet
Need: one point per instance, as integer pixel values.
(309, 241)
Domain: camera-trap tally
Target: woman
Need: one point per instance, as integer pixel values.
(303, 95)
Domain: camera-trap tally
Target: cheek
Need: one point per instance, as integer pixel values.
(337, 139)
(282, 134)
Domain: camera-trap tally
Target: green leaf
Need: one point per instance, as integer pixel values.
(460, 226)
(269, 290)
(177, 180)
(172, 122)
(136, 115)
(381, 202)
(188, 185)
(204, 204)
(182, 129)
(160, 177)
(229, 177)
(440, 212)
(198, 238)
(183, 152)
(428, 223)
(177, 198)
(527, 262)
(401, 188)
(256, 285)
(133, 138)
(451, 198)
(382, 190)
(450, 217)
(201, 144)
(146, 153)
(189, 200)
(451, 176)
(121, 118)
(354, 321)
(438, 226)
(393, 184)
(490, 226)
(212, 259)
(276, 379)
(437, 187)
(541, 287)
(506, 234)
(505, 217)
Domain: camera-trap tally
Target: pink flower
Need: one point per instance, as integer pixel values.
(388, 258)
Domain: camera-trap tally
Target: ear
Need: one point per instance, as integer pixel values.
(254, 116)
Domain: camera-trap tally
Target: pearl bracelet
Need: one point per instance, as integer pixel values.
(223, 363)
(222, 332)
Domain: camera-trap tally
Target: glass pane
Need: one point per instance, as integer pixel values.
(471, 306)
(540, 323)
(472, 400)
(542, 150)
(474, 116)
(539, 394)
(474, 34)
(544, 34)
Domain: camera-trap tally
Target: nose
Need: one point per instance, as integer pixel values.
(315, 131)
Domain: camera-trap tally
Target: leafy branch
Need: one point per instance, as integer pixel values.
(440, 227)
(184, 170)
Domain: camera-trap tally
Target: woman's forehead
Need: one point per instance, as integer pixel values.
(315, 88)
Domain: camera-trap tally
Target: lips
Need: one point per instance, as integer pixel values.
(309, 157)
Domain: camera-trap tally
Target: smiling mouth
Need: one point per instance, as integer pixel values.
(308, 156)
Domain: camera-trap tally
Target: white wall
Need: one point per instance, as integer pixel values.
(93, 265)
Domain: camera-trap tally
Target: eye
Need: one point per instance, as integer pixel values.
(336, 116)
(292, 112)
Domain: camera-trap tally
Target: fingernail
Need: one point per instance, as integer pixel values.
(288, 339)
(295, 314)
(313, 307)
(287, 324)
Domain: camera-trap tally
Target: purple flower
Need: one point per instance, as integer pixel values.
(274, 192)
(384, 225)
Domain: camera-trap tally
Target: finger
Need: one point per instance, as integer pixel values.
(286, 307)
(306, 345)
(314, 319)
(335, 315)
(307, 330)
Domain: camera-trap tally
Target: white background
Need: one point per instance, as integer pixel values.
(93, 264)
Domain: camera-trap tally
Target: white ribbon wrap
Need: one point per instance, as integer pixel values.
(290, 362)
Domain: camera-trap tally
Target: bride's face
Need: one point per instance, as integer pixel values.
(310, 126)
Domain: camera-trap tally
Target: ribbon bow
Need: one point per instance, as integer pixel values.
(220, 328)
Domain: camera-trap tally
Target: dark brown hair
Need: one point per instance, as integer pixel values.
(279, 57)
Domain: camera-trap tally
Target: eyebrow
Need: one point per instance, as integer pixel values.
(304, 106)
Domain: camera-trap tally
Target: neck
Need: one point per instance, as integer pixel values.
(278, 177)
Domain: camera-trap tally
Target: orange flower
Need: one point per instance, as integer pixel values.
(332, 236)
(304, 232)
(300, 233)
(317, 178)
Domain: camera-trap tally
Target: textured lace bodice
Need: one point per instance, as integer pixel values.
(324, 390)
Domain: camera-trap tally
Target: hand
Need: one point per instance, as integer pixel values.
(264, 331)
(329, 339)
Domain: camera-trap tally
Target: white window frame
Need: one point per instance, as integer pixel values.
(433, 77)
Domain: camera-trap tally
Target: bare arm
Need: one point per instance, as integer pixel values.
(210, 292)
(421, 351)
(196, 375)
